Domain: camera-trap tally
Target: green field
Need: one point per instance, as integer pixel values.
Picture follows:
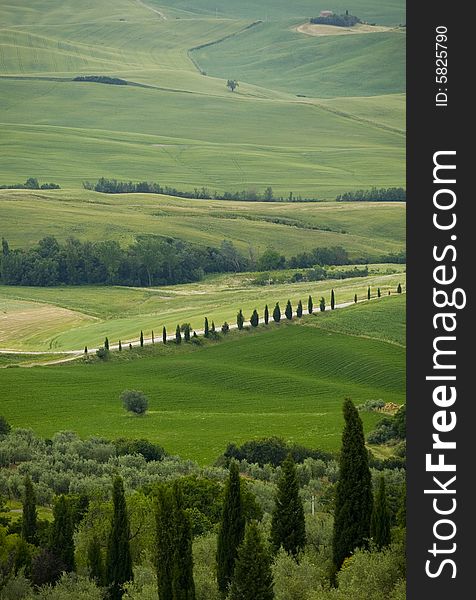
(186, 129)
(68, 318)
(288, 380)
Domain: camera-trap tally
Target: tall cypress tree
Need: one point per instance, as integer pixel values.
(164, 335)
(29, 515)
(231, 531)
(106, 344)
(141, 338)
(240, 320)
(213, 329)
(310, 305)
(254, 320)
(186, 332)
(399, 288)
(288, 527)
(266, 315)
(120, 346)
(253, 578)
(368, 293)
(333, 300)
(380, 522)
(379, 293)
(85, 349)
(322, 304)
(355, 298)
(277, 313)
(354, 499)
(178, 335)
(288, 310)
(166, 543)
(183, 586)
(118, 559)
(152, 337)
(61, 538)
(299, 310)
(206, 331)
(95, 561)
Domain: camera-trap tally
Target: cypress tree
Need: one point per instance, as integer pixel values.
(95, 561)
(106, 344)
(299, 310)
(379, 293)
(333, 300)
(266, 315)
(254, 320)
(310, 305)
(399, 288)
(186, 332)
(354, 499)
(118, 559)
(164, 520)
(368, 293)
(380, 521)
(164, 335)
(277, 313)
(178, 335)
(322, 304)
(253, 578)
(152, 337)
(288, 527)
(240, 320)
(231, 530)
(120, 346)
(183, 586)
(141, 339)
(206, 330)
(288, 310)
(355, 298)
(402, 509)
(61, 538)
(85, 349)
(130, 346)
(225, 328)
(29, 515)
(213, 328)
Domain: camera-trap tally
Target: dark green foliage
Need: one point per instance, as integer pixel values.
(310, 305)
(354, 498)
(232, 84)
(183, 586)
(85, 349)
(164, 519)
(152, 337)
(266, 315)
(288, 310)
(120, 346)
(135, 401)
(164, 335)
(288, 528)
(277, 313)
(380, 521)
(379, 293)
(118, 558)
(106, 344)
(399, 288)
(29, 518)
(240, 320)
(231, 530)
(206, 331)
(322, 304)
(254, 320)
(186, 332)
(101, 79)
(333, 300)
(5, 426)
(355, 298)
(141, 339)
(213, 328)
(225, 328)
(95, 561)
(336, 20)
(143, 447)
(130, 346)
(299, 310)
(374, 195)
(46, 568)
(389, 428)
(62, 529)
(178, 335)
(31, 184)
(102, 353)
(402, 509)
(253, 578)
(368, 293)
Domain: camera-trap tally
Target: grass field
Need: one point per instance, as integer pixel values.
(184, 128)
(288, 380)
(68, 318)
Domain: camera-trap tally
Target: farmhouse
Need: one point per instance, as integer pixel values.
(326, 13)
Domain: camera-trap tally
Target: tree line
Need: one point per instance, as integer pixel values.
(345, 20)
(101, 79)
(31, 183)
(394, 194)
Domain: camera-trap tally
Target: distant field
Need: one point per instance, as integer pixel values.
(121, 313)
(288, 380)
(186, 129)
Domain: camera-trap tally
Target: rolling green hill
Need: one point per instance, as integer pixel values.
(288, 380)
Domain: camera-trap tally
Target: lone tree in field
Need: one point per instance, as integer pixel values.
(288, 528)
(399, 288)
(178, 335)
(355, 298)
(232, 84)
(106, 344)
(299, 310)
(240, 320)
(322, 304)
(141, 339)
(277, 313)
(164, 335)
(135, 401)
(253, 578)
(266, 315)
(368, 293)
(310, 305)
(118, 558)
(206, 329)
(29, 519)
(61, 540)
(254, 320)
(231, 530)
(354, 499)
(288, 310)
(333, 300)
(380, 522)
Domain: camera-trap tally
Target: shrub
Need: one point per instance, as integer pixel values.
(102, 353)
(5, 426)
(135, 401)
